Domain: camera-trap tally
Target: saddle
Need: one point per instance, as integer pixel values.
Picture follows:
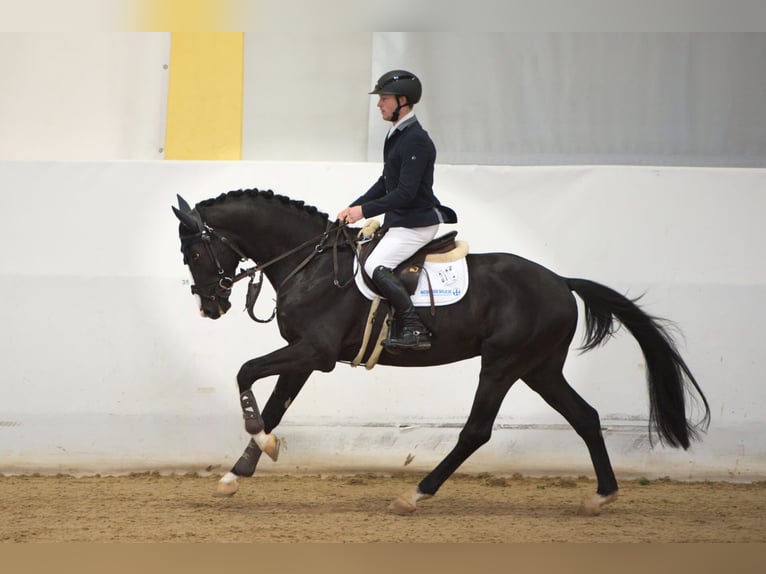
(408, 271)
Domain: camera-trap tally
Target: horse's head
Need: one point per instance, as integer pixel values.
(211, 261)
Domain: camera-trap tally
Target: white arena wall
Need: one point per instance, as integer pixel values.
(107, 366)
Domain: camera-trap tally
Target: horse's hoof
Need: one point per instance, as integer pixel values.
(592, 506)
(407, 503)
(227, 486)
(269, 444)
(402, 505)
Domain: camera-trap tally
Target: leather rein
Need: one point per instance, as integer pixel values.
(225, 283)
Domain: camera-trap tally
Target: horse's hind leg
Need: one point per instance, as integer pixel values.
(494, 382)
(287, 388)
(550, 384)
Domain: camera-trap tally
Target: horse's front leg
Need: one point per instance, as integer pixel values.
(287, 388)
(293, 364)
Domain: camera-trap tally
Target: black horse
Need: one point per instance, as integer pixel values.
(517, 315)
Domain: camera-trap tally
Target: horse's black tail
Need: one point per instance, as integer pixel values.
(668, 377)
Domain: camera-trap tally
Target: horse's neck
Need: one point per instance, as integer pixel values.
(268, 235)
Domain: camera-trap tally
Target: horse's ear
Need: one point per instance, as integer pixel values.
(182, 205)
(187, 220)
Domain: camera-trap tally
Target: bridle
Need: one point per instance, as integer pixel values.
(221, 289)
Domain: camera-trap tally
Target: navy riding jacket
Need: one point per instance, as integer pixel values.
(404, 192)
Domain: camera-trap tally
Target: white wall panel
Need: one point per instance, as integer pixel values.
(83, 96)
(305, 95)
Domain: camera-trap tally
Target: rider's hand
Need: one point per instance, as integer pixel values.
(351, 214)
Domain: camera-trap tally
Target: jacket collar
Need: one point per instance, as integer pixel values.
(408, 120)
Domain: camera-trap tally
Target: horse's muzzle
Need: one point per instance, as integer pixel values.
(214, 302)
(215, 309)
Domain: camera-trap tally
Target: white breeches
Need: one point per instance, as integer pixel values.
(397, 245)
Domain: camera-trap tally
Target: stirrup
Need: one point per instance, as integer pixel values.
(413, 335)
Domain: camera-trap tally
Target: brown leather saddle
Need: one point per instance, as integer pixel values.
(408, 271)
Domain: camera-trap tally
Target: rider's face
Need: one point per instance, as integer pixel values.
(387, 105)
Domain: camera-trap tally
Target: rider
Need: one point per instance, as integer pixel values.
(404, 193)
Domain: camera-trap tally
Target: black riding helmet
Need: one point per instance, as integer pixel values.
(399, 83)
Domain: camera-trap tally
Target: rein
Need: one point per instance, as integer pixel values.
(253, 289)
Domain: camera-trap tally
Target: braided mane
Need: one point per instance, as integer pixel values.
(259, 194)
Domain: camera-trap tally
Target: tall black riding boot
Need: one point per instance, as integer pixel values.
(414, 334)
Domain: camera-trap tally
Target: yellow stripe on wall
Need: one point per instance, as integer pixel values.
(204, 118)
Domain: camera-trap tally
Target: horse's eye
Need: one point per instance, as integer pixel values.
(195, 256)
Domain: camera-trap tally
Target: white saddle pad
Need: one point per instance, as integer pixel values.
(449, 282)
